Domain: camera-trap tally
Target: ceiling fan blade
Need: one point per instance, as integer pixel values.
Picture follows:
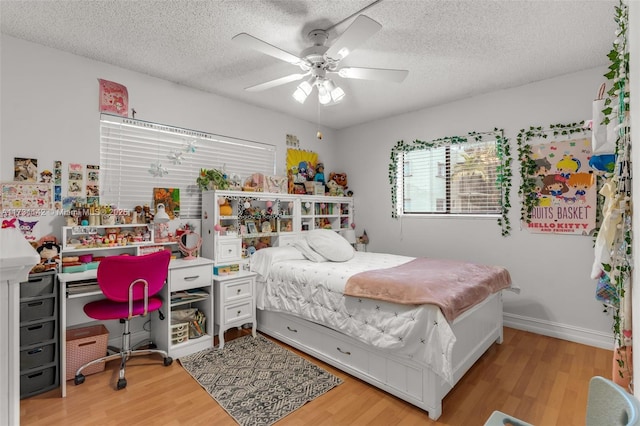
(357, 33)
(396, 76)
(277, 82)
(266, 48)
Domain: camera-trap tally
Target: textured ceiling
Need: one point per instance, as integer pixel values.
(452, 49)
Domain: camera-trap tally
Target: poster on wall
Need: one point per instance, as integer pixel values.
(25, 199)
(75, 180)
(301, 166)
(93, 184)
(114, 98)
(25, 169)
(565, 188)
(170, 197)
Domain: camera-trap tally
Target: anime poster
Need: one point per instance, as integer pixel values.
(170, 197)
(25, 169)
(75, 180)
(93, 184)
(114, 98)
(565, 188)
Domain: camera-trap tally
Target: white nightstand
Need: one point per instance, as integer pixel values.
(235, 299)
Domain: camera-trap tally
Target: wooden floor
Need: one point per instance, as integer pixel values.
(541, 380)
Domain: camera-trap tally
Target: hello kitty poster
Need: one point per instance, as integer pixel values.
(114, 98)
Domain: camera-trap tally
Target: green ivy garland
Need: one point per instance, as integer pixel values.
(527, 191)
(504, 174)
(620, 267)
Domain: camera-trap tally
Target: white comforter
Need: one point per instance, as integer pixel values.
(314, 291)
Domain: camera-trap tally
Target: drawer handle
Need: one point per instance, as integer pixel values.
(191, 278)
(343, 352)
(34, 351)
(292, 329)
(35, 327)
(35, 303)
(229, 250)
(238, 290)
(238, 313)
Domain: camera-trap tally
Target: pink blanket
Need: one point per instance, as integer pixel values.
(454, 286)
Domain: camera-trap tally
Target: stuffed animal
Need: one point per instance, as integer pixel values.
(49, 251)
(263, 242)
(341, 180)
(225, 208)
(334, 188)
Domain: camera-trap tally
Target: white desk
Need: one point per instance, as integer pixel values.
(183, 274)
(17, 257)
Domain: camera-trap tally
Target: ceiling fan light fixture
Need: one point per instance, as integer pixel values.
(324, 97)
(342, 53)
(300, 95)
(337, 94)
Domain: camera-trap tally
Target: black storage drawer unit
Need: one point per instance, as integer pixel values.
(37, 356)
(37, 309)
(34, 382)
(38, 285)
(39, 334)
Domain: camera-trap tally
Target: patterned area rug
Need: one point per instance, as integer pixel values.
(256, 381)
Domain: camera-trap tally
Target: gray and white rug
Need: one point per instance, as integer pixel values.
(256, 381)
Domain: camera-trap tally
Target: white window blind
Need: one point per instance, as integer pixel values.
(451, 179)
(130, 149)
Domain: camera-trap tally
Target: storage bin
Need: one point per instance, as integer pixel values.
(37, 309)
(84, 345)
(36, 333)
(37, 356)
(38, 381)
(38, 285)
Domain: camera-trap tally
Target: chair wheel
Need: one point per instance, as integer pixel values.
(122, 383)
(167, 361)
(79, 379)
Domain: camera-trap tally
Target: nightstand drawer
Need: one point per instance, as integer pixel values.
(237, 290)
(229, 250)
(192, 277)
(238, 313)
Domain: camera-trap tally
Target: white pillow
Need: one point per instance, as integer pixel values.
(330, 244)
(262, 260)
(307, 251)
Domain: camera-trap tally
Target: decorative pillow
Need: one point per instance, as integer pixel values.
(262, 260)
(308, 252)
(330, 244)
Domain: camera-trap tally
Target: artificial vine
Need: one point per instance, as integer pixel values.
(618, 270)
(504, 174)
(527, 191)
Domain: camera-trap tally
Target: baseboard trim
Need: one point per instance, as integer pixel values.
(559, 331)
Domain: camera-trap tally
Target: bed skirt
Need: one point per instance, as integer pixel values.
(475, 330)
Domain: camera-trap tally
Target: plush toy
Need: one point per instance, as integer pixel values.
(225, 208)
(49, 251)
(334, 188)
(341, 180)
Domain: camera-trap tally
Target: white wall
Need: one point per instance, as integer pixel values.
(553, 271)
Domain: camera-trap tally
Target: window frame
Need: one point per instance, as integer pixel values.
(503, 176)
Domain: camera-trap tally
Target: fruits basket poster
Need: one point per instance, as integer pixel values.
(565, 188)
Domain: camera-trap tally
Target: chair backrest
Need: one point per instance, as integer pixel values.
(609, 404)
(116, 273)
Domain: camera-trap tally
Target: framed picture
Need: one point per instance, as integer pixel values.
(251, 227)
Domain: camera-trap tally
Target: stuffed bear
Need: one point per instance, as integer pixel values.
(334, 188)
(341, 180)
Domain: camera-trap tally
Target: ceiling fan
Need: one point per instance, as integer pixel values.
(319, 62)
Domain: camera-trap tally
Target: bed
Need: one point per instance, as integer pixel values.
(327, 309)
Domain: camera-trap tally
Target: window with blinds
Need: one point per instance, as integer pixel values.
(137, 156)
(450, 179)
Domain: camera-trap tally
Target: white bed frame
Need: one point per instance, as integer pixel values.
(475, 330)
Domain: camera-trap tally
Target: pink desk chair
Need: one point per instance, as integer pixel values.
(129, 284)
